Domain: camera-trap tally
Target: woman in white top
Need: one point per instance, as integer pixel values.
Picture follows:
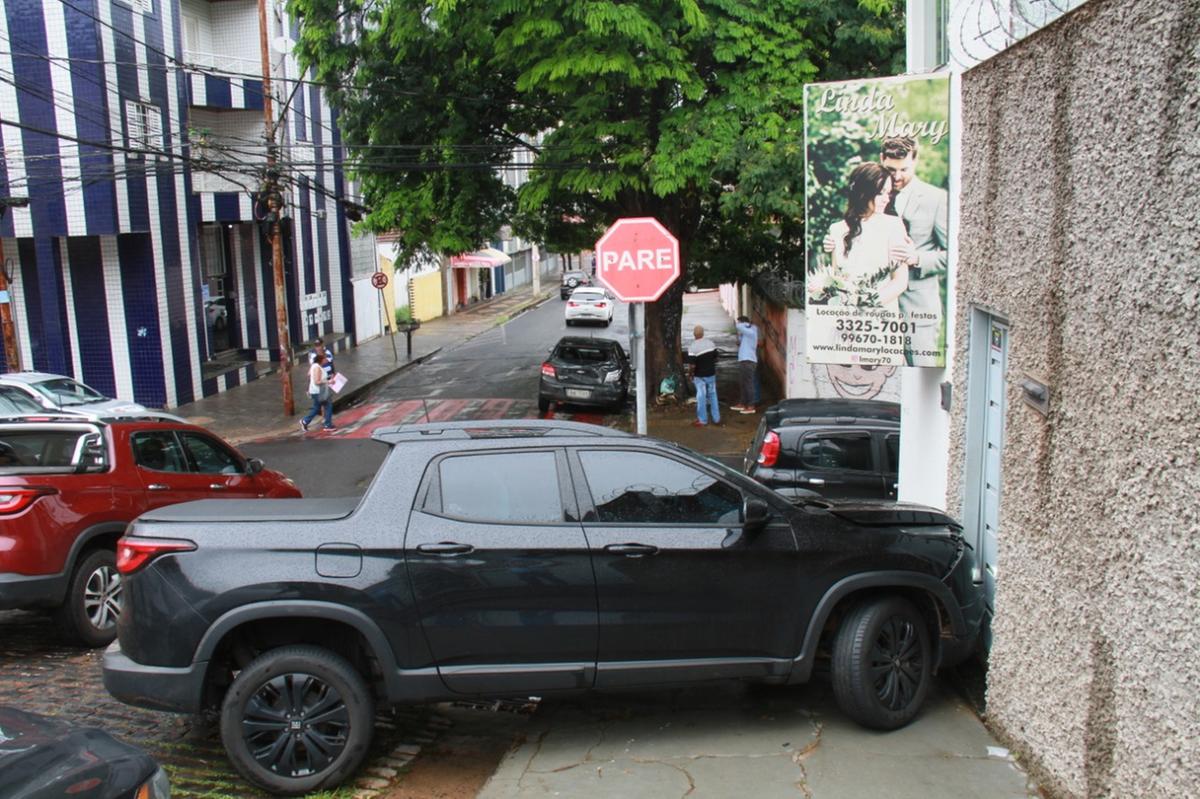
(862, 241)
(318, 390)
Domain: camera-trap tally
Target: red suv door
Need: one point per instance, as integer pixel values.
(223, 470)
(162, 466)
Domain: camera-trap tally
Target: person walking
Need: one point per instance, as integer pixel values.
(319, 349)
(319, 391)
(702, 356)
(747, 364)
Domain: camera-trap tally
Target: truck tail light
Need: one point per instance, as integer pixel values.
(548, 370)
(769, 453)
(134, 553)
(14, 500)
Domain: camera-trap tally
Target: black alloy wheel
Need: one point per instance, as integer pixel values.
(297, 719)
(882, 663)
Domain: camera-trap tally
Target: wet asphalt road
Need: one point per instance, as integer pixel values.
(501, 364)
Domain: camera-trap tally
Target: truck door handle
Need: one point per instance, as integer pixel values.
(447, 548)
(159, 487)
(631, 550)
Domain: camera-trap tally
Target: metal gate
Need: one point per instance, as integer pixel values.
(985, 445)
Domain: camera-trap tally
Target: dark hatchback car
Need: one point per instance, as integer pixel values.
(585, 371)
(46, 758)
(521, 558)
(835, 448)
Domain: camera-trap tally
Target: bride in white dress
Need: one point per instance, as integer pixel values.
(863, 240)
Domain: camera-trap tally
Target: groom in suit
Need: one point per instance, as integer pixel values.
(924, 210)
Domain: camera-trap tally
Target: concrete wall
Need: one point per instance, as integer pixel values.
(1080, 225)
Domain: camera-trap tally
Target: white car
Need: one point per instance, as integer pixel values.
(58, 392)
(589, 304)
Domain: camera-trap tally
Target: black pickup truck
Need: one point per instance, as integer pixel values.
(524, 558)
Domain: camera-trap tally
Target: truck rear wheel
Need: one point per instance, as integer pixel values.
(297, 719)
(93, 604)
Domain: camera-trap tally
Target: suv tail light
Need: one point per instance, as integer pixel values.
(15, 500)
(770, 449)
(134, 553)
(548, 370)
(601, 305)
(572, 304)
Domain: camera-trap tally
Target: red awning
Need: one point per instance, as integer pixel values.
(488, 256)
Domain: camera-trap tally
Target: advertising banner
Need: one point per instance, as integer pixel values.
(876, 211)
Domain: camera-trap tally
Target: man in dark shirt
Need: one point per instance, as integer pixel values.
(702, 355)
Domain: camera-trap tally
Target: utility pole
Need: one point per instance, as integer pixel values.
(274, 199)
(12, 354)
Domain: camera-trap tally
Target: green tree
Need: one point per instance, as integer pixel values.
(689, 111)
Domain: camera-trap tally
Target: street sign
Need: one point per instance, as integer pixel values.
(638, 259)
(379, 280)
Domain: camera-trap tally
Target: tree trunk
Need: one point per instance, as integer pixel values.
(663, 342)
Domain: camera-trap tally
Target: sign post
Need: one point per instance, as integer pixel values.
(638, 259)
(380, 280)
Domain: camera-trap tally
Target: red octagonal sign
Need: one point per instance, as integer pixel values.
(638, 259)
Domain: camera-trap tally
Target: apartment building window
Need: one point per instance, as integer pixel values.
(143, 124)
(141, 6)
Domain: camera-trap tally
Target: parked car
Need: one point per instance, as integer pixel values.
(15, 402)
(836, 448)
(585, 371)
(47, 758)
(70, 485)
(59, 392)
(572, 280)
(589, 304)
(216, 312)
(515, 558)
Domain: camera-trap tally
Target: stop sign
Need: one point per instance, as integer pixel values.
(638, 259)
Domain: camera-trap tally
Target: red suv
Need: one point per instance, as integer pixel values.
(68, 487)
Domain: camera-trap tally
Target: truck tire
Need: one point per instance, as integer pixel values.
(308, 694)
(92, 606)
(882, 663)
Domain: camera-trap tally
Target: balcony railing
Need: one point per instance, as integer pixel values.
(221, 63)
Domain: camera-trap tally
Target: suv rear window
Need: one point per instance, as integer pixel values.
(40, 448)
(836, 451)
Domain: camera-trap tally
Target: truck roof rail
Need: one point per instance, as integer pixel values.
(492, 428)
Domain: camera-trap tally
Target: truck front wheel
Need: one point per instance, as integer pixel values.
(882, 663)
(297, 719)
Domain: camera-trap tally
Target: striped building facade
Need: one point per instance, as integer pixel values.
(135, 128)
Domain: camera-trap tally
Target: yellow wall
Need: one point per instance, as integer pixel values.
(425, 295)
(389, 296)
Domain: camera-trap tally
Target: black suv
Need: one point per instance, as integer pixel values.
(572, 280)
(832, 448)
(509, 559)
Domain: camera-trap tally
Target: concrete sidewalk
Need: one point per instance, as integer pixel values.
(255, 409)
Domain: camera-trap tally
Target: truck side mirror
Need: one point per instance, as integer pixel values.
(755, 514)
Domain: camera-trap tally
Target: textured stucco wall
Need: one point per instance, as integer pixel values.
(1080, 223)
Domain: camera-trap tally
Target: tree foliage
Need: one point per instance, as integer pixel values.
(686, 110)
